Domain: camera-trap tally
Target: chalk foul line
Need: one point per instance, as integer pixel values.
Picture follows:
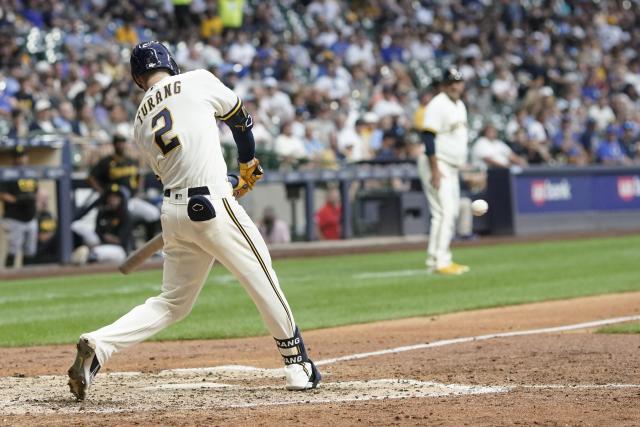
(442, 343)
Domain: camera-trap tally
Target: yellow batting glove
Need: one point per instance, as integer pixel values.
(251, 172)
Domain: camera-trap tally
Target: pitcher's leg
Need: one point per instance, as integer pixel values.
(185, 270)
(447, 222)
(435, 211)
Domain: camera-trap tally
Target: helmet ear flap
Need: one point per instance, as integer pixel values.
(176, 69)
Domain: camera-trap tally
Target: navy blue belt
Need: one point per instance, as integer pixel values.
(193, 191)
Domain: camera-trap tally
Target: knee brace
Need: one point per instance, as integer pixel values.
(292, 349)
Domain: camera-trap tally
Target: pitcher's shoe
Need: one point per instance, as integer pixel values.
(84, 368)
(302, 376)
(453, 269)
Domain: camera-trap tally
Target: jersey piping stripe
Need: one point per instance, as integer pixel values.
(259, 258)
(233, 111)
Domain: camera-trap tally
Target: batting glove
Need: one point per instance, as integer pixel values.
(251, 172)
(240, 187)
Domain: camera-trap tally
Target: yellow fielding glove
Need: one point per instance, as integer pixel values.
(251, 172)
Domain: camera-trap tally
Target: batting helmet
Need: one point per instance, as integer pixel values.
(149, 56)
(452, 75)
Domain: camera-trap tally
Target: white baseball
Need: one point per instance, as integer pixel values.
(479, 207)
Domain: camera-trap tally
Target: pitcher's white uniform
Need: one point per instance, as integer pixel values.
(448, 121)
(176, 131)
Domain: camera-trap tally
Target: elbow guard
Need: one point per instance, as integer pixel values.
(240, 123)
(429, 140)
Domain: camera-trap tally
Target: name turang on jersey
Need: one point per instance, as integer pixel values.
(157, 97)
(177, 133)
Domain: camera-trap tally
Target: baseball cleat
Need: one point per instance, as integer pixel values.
(84, 368)
(302, 376)
(463, 268)
(453, 269)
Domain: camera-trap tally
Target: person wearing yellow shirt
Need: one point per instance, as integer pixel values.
(211, 24)
(126, 34)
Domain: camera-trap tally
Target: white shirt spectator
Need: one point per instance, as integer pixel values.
(290, 146)
(360, 52)
(241, 53)
(504, 87)
(351, 144)
(493, 149)
(335, 86)
(276, 103)
(388, 107)
(602, 114)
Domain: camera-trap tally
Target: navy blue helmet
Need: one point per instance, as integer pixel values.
(149, 56)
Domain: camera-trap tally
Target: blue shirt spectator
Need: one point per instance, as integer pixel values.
(610, 151)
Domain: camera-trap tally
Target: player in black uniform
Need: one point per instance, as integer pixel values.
(19, 220)
(120, 169)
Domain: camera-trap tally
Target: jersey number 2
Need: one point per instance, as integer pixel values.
(159, 134)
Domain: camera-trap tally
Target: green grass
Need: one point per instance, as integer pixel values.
(625, 328)
(328, 291)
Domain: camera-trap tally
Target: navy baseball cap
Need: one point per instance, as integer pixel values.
(452, 75)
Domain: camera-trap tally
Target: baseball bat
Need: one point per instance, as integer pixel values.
(141, 254)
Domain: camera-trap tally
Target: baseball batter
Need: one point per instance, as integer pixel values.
(176, 130)
(445, 137)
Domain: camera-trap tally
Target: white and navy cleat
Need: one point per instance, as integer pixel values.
(302, 376)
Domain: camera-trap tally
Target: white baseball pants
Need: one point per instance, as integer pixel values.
(190, 249)
(444, 205)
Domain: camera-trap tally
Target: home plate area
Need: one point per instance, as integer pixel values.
(219, 387)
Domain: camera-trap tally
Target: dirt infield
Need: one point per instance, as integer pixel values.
(437, 375)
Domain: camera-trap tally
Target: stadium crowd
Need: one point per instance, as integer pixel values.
(332, 82)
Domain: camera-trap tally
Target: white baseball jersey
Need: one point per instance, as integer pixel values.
(448, 120)
(176, 130)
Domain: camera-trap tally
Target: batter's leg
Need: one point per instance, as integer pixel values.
(185, 269)
(239, 246)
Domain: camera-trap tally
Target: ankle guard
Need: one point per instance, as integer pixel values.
(292, 349)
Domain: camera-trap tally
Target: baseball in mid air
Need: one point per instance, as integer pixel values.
(479, 207)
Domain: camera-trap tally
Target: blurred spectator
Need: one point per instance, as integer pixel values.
(602, 113)
(105, 241)
(122, 170)
(335, 83)
(43, 115)
(289, 148)
(610, 152)
(19, 220)
(329, 217)
(275, 104)
(630, 139)
(273, 229)
(566, 145)
(490, 152)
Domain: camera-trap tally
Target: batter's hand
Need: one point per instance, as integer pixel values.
(240, 187)
(436, 176)
(251, 172)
